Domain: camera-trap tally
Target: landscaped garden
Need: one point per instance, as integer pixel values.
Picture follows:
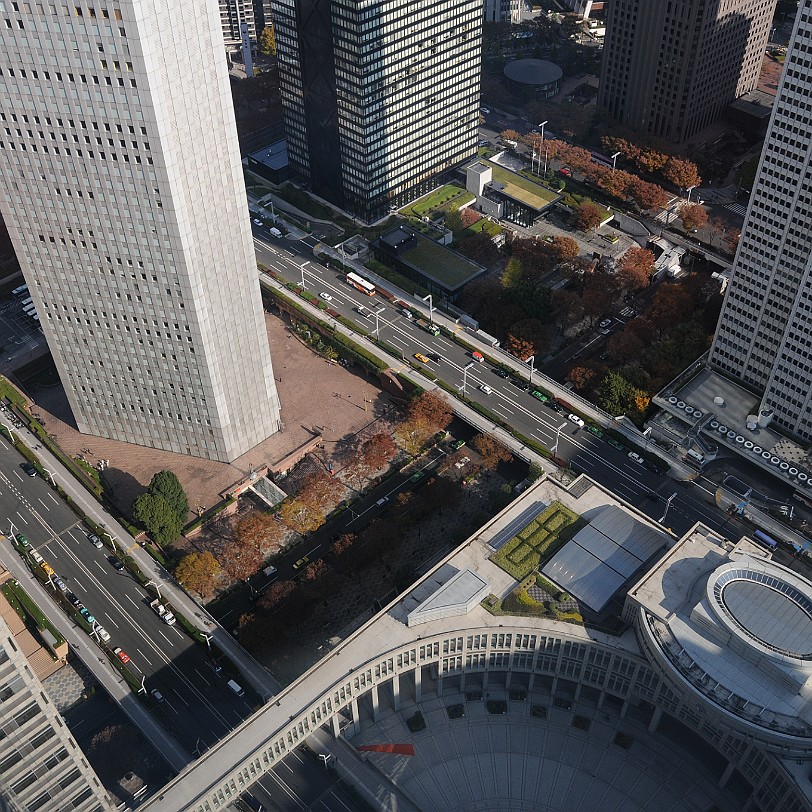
(442, 199)
(522, 554)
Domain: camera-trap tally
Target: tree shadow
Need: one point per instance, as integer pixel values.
(121, 488)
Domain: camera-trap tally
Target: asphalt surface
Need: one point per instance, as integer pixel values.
(646, 490)
(197, 705)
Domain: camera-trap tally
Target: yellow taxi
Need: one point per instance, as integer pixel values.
(422, 358)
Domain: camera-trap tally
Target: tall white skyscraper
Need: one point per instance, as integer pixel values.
(763, 337)
(123, 193)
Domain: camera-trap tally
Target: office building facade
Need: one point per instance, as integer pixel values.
(124, 197)
(762, 339)
(233, 15)
(41, 766)
(670, 68)
(379, 99)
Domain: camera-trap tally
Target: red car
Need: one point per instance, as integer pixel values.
(122, 655)
(565, 171)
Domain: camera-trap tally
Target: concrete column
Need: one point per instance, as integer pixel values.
(623, 708)
(726, 774)
(532, 682)
(334, 726)
(577, 692)
(439, 685)
(376, 710)
(396, 691)
(462, 682)
(601, 699)
(356, 717)
(554, 687)
(655, 719)
(507, 680)
(418, 687)
(485, 680)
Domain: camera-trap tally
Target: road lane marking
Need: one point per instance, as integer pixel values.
(53, 498)
(199, 674)
(43, 504)
(166, 638)
(22, 518)
(144, 655)
(132, 601)
(110, 619)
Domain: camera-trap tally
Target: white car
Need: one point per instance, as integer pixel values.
(103, 633)
(326, 296)
(462, 463)
(258, 222)
(636, 457)
(605, 323)
(486, 389)
(573, 418)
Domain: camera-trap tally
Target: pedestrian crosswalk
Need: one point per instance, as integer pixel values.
(737, 208)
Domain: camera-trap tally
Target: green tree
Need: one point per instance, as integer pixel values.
(267, 41)
(512, 275)
(197, 571)
(163, 509)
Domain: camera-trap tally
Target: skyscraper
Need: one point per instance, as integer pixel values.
(41, 766)
(670, 68)
(379, 98)
(763, 336)
(123, 193)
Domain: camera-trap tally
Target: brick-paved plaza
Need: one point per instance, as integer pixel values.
(316, 397)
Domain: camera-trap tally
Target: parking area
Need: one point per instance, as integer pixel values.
(20, 337)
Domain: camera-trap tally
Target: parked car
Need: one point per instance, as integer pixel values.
(573, 418)
(73, 600)
(29, 469)
(416, 477)
(462, 463)
(457, 444)
(615, 444)
(565, 171)
(85, 613)
(157, 695)
(258, 222)
(635, 457)
(22, 540)
(520, 384)
(104, 635)
(122, 655)
(302, 562)
(539, 396)
(47, 568)
(501, 373)
(594, 430)
(555, 406)
(435, 357)
(95, 540)
(60, 584)
(115, 563)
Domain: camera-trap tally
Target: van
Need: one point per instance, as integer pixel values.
(236, 687)
(406, 312)
(695, 456)
(275, 232)
(269, 571)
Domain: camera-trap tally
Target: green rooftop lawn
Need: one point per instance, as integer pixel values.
(444, 265)
(446, 197)
(522, 188)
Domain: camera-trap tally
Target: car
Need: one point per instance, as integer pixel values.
(615, 444)
(457, 444)
(115, 563)
(635, 457)
(326, 296)
(29, 469)
(85, 613)
(539, 396)
(651, 466)
(501, 373)
(605, 331)
(565, 171)
(549, 238)
(215, 666)
(422, 358)
(122, 655)
(47, 568)
(73, 600)
(433, 356)
(486, 389)
(594, 430)
(462, 463)
(302, 562)
(104, 635)
(382, 501)
(417, 476)
(258, 222)
(269, 571)
(60, 584)
(157, 695)
(95, 540)
(520, 384)
(22, 540)
(407, 313)
(573, 418)
(484, 110)
(605, 323)
(555, 406)
(478, 357)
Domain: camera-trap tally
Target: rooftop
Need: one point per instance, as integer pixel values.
(523, 189)
(533, 71)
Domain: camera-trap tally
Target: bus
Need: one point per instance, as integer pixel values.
(765, 541)
(359, 283)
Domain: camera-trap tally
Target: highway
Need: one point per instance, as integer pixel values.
(197, 706)
(646, 490)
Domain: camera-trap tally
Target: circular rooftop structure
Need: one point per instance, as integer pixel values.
(769, 606)
(537, 76)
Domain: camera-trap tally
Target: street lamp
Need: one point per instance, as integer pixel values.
(614, 160)
(377, 314)
(10, 432)
(667, 505)
(465, 375)
(531, 360)
(431, 307)
(689, 190)
(157, 588)
(50, 476)
(554, 449)
(301, 268)
(542, 130)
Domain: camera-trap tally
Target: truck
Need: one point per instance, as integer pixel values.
(428, 326)
(162, 612)
(275, 232)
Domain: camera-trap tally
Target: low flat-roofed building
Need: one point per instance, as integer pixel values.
(438, 269)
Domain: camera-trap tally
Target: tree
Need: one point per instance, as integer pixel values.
(565, 248)
(587, 216)
(453, 221)
(469, 216)
(616, 183)
(567, 307)
(276, 593)
(636, 266)
(491, 450)
(197, 572)
(527, 337)
(693, 217)
(480, 248)
(267, 41)
(648, 196)
(717, 226)
(342, 543)
(625, 346)
(513, 274)
(429, 411)
(240, 561)
(301, 517)
(379, 450)
(682, 173)
(163, 509)
(320, 491)
(510, 135)
(314, 570)
(670, 307)
(582, 376)
(258, 529)
(732, 238)
(651, 160)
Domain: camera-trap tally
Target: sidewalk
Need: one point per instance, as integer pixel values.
(103, 670)
(255, 674)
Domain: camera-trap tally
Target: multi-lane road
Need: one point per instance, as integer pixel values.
(646, 490)
(196, 705)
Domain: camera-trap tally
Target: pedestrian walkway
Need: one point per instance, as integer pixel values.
(737, 209)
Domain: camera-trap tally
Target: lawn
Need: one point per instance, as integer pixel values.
(437, 262)
(446, 197)
(28, 611)
(522, 188)
(538, 540)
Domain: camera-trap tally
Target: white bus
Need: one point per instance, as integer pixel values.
(359, 283)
